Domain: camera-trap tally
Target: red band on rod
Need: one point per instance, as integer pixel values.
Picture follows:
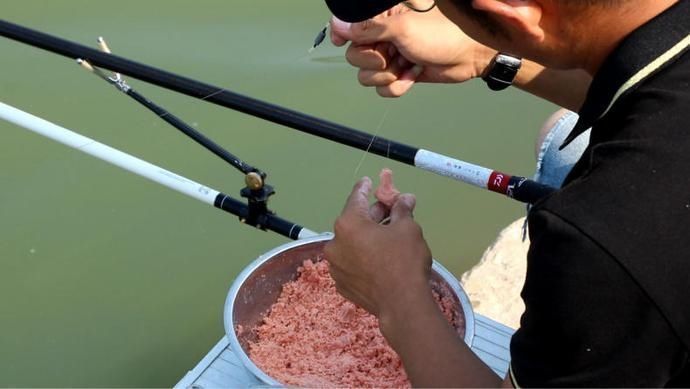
(498, 182)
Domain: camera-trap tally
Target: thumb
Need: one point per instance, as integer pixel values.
(358, 201)
(403, 207)
(341, 32)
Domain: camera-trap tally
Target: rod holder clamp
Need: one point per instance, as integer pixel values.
(258, 205)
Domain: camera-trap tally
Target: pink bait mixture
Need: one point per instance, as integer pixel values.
(313, 337)
(386, 192)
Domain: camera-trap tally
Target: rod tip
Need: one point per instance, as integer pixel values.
(103, 45)
(85, 64)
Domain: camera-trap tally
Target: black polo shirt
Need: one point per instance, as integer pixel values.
(607, 291)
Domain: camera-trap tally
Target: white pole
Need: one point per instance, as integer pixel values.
(116, 157)
(108, 154)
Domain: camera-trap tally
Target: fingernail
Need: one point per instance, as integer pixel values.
(365, 184)
(340, 25)
(409, 199)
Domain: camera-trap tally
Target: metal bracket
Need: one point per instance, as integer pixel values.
(258, 205)
(116, 79)
(256, 191)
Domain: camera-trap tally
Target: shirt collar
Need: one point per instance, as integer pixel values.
(641, 54)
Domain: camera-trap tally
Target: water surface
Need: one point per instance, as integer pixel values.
(107, 279)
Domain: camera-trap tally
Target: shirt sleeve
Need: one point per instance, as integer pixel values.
(586, 323)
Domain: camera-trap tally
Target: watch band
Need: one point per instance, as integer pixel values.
(502, 71)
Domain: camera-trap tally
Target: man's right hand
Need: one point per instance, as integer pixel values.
(400, 47)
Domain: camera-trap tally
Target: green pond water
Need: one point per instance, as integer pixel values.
(107, 279)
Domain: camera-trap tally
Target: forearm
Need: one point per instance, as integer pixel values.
(431, 350)
(565, 88)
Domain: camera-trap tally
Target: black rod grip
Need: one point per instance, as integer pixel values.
(528, 191)
(270, 222)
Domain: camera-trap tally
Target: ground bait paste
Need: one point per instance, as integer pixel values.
(313, 337)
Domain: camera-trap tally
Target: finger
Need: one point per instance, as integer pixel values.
(396, 70)
(358, 201)
(385, 76)
(401, 84)
(372, 57)
(403, 207)
(340, 31)
(337, 39)
(376, 78)
(378, 211)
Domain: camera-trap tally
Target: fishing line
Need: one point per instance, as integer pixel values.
(516, 187)
(373, 138)
(213, 94)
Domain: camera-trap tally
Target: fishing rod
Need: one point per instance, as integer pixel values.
(222, 201)
(519, 188)
(256, 191)
(117, 81)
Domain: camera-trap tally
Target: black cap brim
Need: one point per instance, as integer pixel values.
(359, 10)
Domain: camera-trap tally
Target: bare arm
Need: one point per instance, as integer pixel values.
(432, 352)
(385, 269)
(565, 88)
(397, 50)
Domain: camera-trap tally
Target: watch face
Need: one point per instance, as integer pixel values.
(508, 60)
(502, 71)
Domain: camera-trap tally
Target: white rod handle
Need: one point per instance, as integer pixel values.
(454, 168)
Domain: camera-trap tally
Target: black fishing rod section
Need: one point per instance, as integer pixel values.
(197, 136)
(212, 94)
(519, 188)
(256, 212)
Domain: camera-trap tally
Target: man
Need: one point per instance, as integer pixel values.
(608, 278)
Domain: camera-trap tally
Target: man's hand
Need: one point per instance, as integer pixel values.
(381, 268)
(385, 269)
(400, 47)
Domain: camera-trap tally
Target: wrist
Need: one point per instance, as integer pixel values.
(483, 57)
(405, 306)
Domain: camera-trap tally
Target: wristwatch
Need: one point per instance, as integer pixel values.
(502, 71)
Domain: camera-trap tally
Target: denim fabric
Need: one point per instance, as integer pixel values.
(553, 165)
